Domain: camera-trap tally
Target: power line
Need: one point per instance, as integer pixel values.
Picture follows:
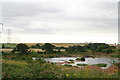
(9, 35)
(2, 25)
(2, 29)
(0, 34)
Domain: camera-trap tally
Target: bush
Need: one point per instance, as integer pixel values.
(71, 60)
(82, 59)
(48, 48)
(108, 51)
(78, 59)
(22, 48)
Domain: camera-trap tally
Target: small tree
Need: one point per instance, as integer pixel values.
(22, 48)
(48, 48)
(3, 46)
(99, 47)
(72, 49)
(38, 46)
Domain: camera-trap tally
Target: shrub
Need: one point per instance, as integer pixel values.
(53, 63)
(48, 48)
(78, 59)
(82, 59)
(22, 48)
(71, 60)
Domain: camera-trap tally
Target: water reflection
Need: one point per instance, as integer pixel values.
(88, 61)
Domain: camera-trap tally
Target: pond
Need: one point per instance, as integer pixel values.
(89, 61)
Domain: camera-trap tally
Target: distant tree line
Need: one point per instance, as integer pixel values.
(93, 47)
(100, 47)
(8, 46)
(38, 46)
(49, 48)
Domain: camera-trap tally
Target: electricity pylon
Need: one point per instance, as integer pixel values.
(8, 35)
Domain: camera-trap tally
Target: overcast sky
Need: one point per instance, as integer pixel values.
(62, 21)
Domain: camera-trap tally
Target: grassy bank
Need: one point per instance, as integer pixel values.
(23, 67)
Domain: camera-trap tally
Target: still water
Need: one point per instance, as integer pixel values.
(88, 61)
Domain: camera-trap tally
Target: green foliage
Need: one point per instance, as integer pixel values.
(60, 47)
(72, 49)
(68, 65)
(13, 68)
(3, 46)
(38, 46)
(89, 56)
(40, 60)
(48, 48)
(39, 69)
(80, 59)
(71, 60)
(100, 65)
(8, 46)
(94, 47)
(108, 50)
(32, 52)
(22, 48)
(82, 64)
(115, 56)
(117, 64)
(99, 47)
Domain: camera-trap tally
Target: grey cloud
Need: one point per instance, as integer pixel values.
(21, 15)
(28, 9)
(42, 31)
